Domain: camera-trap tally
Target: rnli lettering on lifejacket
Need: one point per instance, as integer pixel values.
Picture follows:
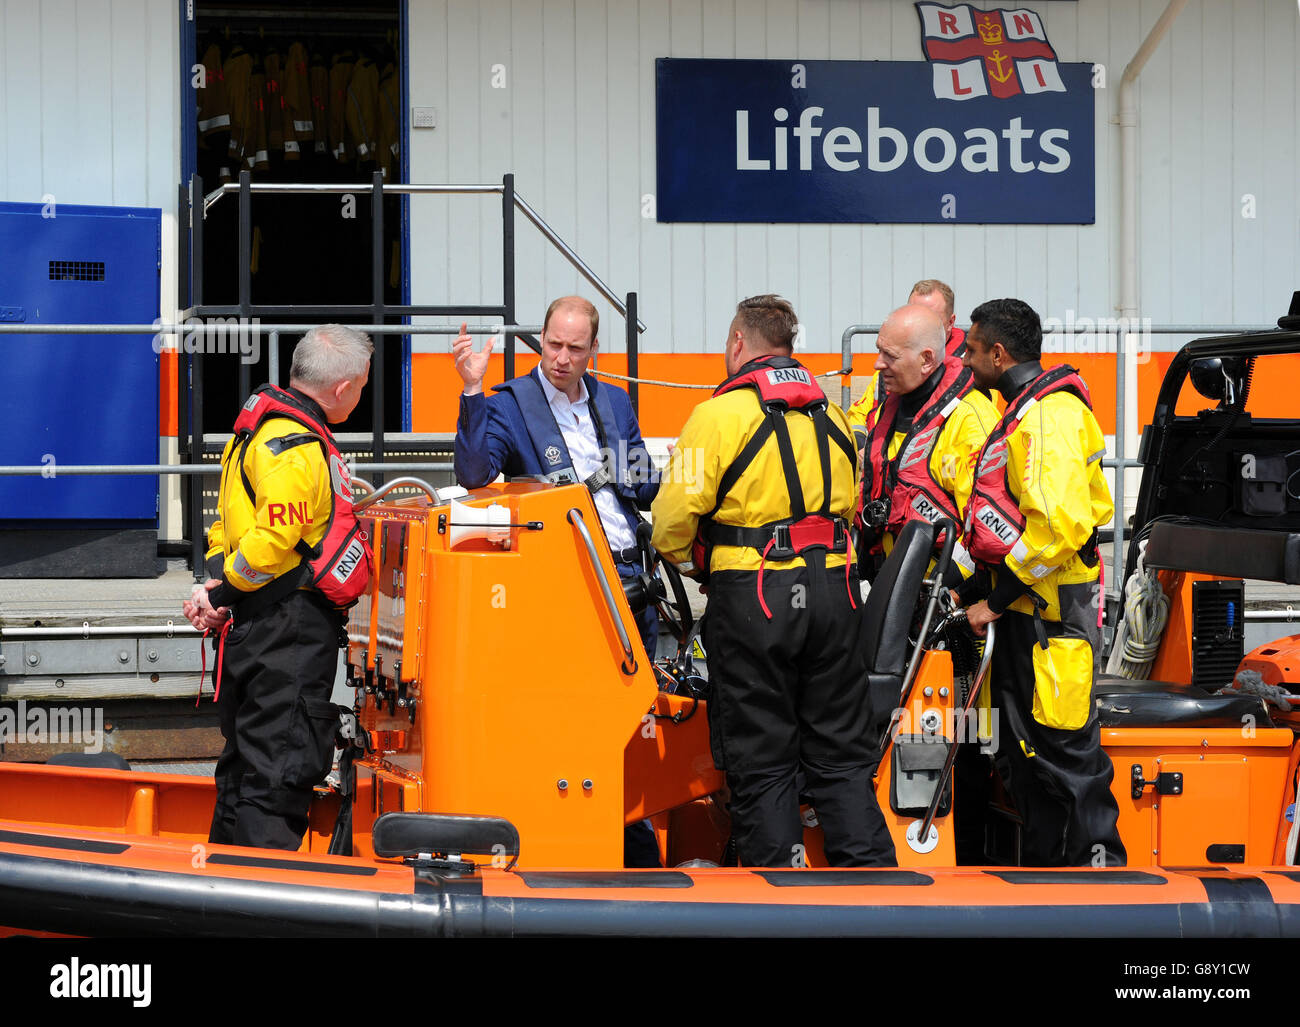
(349, 561)
(998, 526)
(926, 509)
(789, 376)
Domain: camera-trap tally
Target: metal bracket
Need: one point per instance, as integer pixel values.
(1164, 784)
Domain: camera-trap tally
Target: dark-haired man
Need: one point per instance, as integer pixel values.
(756, 500)
(1039, 497)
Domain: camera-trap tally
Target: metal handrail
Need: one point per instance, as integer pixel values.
(377, 494)
(210, 199)
(566, 251)
(629, 657)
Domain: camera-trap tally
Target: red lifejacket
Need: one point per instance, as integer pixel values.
(994, 522)
(904, 486)
(783, 385)
(340, 566)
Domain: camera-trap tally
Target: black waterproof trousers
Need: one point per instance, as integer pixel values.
(788, 694)
(279, 724)
(1060, 780)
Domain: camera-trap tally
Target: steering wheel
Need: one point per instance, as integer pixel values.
(665, 590)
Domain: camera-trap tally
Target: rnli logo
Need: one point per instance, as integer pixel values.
(789, 376)
(347, 563)
(553, 455)
(924, 508)
(1004, 531)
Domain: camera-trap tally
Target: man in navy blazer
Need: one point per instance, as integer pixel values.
(559, 423)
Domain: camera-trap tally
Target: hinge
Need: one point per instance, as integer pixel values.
(1164, 784)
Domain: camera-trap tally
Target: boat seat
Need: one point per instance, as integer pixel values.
(1122, 702)
(887, 618)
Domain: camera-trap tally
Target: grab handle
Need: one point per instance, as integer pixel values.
(629, 658)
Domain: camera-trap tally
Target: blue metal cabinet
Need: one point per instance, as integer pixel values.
(79, 399)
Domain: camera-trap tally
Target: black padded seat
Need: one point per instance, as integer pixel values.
(887, 618)
(1122, 702)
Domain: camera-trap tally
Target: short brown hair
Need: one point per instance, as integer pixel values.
(579, 304)
(928, 285)
(771, 318)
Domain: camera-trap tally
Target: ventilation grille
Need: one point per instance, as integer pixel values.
(1218, 616)
(76, 270)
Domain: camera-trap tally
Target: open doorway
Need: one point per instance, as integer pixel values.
(300, 93)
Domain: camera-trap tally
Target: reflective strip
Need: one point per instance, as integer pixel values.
(302, 126)
(290, 146)
(1096, 456)
(1039, 570)
(1020, 552)
(1033, 401)
(246, 571)
(952, 405)
(362, 149)
(220, 121)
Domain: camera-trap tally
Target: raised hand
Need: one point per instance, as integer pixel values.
(470, 365)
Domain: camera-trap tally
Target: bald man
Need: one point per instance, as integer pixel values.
(938, 296)
(931, 407)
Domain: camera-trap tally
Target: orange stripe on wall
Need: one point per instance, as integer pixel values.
(436, 386)
(168, 389)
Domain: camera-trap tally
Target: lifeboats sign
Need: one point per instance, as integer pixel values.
(991, 129)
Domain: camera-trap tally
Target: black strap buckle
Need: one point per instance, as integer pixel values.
(782, 548)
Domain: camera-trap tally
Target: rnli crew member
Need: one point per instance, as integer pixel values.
(279, 657)
(558, 422)
(1039, 497)
(756, 501)
(929, 292)
(931, 404)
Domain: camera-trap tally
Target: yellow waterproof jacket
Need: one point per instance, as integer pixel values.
(711, 440)
(362, 113)
(254, 542)
(214, 103)
(297, 96)
(1054, 473)
(860, 412)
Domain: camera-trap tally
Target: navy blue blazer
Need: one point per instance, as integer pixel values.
(493, 437)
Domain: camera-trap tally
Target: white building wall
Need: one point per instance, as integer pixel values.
(90, 101)
(575, 122)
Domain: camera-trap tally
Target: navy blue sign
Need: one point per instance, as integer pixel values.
(786, 141)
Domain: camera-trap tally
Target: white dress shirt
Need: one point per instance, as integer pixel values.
(583, 443)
